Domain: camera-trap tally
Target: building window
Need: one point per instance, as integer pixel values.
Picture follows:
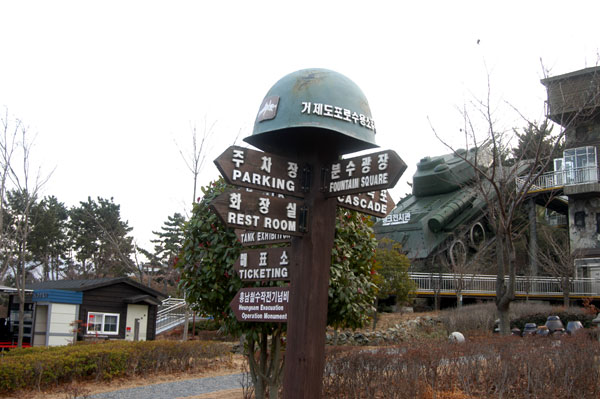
(580, 219)
(103, 323)
(579, 165)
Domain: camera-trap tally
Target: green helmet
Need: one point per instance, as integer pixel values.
(314, 107)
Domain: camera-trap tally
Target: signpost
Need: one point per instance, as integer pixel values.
(268, 264)
(376, 171)
(315, 116)
(374, 203)
(261, 171)
(266, 304)
(259, 211)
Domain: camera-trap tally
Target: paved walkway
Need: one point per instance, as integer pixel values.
(179, 389)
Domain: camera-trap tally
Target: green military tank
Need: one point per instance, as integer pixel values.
(443, 220)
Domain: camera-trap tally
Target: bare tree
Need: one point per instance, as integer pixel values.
(27, 187)
(496, 175)
(8, 144)
(556, 259)
(194, 162)
(196, 157)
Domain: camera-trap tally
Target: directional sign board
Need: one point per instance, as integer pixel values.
(269, 264)
(375, 203)
(248, 238)
(260, 170)
(259, 211)
(370, 172)
(266, 304)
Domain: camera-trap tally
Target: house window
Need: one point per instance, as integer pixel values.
(103, 323)
(579, 165)
(580, 219)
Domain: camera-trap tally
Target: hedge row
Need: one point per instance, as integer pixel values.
(497, 367)
(46, 367)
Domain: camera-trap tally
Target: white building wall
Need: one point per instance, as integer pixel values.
(136, 312)
(62, 323)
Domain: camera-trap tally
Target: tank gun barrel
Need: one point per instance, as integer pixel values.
(448, 212)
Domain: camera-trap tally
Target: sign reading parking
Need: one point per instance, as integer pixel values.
(260, 170)
(257, 211)
(370, 172)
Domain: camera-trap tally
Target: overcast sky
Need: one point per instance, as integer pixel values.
(113, 88)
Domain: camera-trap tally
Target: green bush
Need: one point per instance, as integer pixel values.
(45, 367)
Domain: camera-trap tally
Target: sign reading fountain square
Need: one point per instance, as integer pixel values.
(260, 211)
(267, 304)
(370, 172)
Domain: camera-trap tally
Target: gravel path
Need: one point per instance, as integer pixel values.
(170, 390)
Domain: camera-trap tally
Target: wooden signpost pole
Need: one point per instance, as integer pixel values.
(311, 117)
(304, 360)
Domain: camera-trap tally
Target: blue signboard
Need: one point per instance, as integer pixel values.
(57, 296)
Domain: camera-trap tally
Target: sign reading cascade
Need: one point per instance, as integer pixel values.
(374, 203)
(370, 172)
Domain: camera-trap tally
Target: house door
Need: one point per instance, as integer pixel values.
(40, 329)
(139, 313)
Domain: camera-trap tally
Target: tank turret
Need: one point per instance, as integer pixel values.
(444, 215)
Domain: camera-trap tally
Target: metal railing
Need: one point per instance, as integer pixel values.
(171, 313)
(561, 178)
(480, 284)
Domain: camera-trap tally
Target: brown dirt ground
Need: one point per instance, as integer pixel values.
(83, 389)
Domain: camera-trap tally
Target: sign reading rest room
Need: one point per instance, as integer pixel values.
(259, 212)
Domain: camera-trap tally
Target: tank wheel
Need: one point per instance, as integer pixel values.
(477, 235)
(457, 253)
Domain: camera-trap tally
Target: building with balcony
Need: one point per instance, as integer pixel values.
(574, 103)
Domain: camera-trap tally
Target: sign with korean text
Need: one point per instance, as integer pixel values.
(248, 238)
(266, 304)
(396, 218)
(336, 112)
(259, 211)
(374, 203)
(260, 170)
(370, 172)
(269, 264)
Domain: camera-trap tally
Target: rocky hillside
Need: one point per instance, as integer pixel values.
(391, 328)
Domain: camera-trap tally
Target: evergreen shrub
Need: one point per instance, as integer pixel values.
(41, 368)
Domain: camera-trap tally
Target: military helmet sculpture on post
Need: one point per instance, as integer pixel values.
(316, 107)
